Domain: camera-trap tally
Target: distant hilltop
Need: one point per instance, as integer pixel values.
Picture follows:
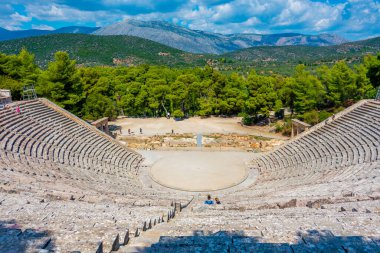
(11, 35)
(193, 41)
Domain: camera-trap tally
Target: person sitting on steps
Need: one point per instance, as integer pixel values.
(209, 201)
(217, 201)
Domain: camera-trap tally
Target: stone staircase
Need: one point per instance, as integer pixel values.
(152, 234)
(318, 193)
(63, 175)
(203, 228)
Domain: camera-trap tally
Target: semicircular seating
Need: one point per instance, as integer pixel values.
(71, 179)
(338, 155)
(44, 131)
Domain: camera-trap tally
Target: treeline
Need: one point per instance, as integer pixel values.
(152, 91)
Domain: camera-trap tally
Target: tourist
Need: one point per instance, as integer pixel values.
(140, 130)
(129, 131)
(18, 110)
(217, 201)
(209, 200)
(172, 131)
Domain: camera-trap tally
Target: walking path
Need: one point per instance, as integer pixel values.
(160, 126)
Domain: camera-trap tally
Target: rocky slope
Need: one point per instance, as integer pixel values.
(195, 41)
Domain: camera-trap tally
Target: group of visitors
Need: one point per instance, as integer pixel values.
(129, 131)
(210, 201)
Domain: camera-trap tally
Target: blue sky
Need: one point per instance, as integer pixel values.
(352, 19)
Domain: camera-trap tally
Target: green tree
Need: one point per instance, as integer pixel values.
(99, 106)
(309, 91)
(61, 82)
(13, 85)
(372, 63)
(262, 95)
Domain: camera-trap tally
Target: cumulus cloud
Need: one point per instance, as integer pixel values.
(43, 27)
(352, 18)
(17, 17)
(56, 12)
(14, 20)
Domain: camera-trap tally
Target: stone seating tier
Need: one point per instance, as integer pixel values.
(41, 132)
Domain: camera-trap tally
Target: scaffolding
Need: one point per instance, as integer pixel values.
(5, 98)
(28, 92)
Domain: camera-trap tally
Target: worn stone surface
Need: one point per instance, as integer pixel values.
(65, 186)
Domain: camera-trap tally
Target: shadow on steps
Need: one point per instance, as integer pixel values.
(313, 241)
(13, 239)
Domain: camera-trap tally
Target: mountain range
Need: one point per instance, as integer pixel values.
(113, 50)
(10, 35)
(182, 38)
(195, 41)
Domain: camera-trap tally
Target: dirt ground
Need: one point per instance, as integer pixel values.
(195, 125)
(198, 170)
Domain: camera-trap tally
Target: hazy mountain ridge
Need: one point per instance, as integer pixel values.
(302, 52)
(195, 41)
(10, 35)
(90, 50)
(182, 38)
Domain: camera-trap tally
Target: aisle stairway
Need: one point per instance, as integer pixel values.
(61, 174)
(318, 193)
(202, 228)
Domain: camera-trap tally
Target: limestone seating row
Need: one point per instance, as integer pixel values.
(311, 153)
(69, 221)
(97, 167)
(35, 124)
(338, 174)
(308, 168)
(43, 147)
(272, 226)
(359, 177)
(356, 178)
(81, 122)
(63, 135)
(64, 220)
(350, 145)
(88, 179)
(32, 166)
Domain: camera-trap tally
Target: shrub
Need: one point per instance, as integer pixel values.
(339, 109)
(247, 120)
(178, 114)
(311, 117)
(279, 127)
(287, 128)
(324, 115)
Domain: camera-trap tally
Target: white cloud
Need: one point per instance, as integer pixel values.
(352, 18)
(43, 27)
(57, 12)
(14, 21)
(17, 17)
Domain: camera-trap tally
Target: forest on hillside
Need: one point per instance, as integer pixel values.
(151, 91)
(120, 50)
